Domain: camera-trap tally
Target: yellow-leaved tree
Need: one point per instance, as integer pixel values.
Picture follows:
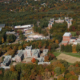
(2, 40)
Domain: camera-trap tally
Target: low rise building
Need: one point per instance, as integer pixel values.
(7, 60)
(24, 27)
(66, 38)
(36, 53)
(10, 32)
(2, 26)
(19, 57)
(59, 21)
(42, 63)
(27, 53)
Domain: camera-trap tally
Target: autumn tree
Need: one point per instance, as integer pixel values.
(74, 49)
(2, 40)
(33, 60)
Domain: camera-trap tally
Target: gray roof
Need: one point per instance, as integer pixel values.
(9, 32)
(20, 53)
(2, 25)
(73, 37)
(28, 47)
(45, 51)
(67, 34)
(6, 59)
(35, 52)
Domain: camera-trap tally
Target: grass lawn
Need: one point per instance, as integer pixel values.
(73, 33)
(68, 53)
(56, 53)
(72, 54)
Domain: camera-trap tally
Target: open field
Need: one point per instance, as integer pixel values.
(67, 53)
(68, 58)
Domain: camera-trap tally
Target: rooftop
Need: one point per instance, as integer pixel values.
(35, 51)
(20, 53)
(73, 37)
(28, 47)
(2, 25)
(67, 34)
(23, 26)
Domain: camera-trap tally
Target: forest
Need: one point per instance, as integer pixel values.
(57, 70)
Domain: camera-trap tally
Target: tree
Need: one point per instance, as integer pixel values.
(33, 60)
(73, 77)
(78, 47)
(74, 49)
(58, 70)
(57, 41)
(12, 68)
(46, 58)
(60, 78)
(2, 40)
(51, 56)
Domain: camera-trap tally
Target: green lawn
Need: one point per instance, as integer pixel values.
(68, 53)
(72, 54)
(56, 53)
(73, 33)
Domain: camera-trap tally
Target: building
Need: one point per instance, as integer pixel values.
(59, 21)
(73, 39)
(66, 38)
(42, 63)
(45, 51)
(19, 57)
(35, 53)
(10, 32)
(40, 59)
(36, 37)
(27, 53)
(28, 47)
(79, 77)
(65, 43)
(24, 27)
(69, 24)
(69, 21)
(51, 22)
(7, 60)
(2, 26)
(50, 25)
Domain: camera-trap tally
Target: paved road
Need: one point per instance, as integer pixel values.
(68, 58)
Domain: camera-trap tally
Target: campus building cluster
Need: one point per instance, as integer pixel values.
(66, 19)
(25, 56)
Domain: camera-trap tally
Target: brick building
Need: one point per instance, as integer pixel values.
(66, 38)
